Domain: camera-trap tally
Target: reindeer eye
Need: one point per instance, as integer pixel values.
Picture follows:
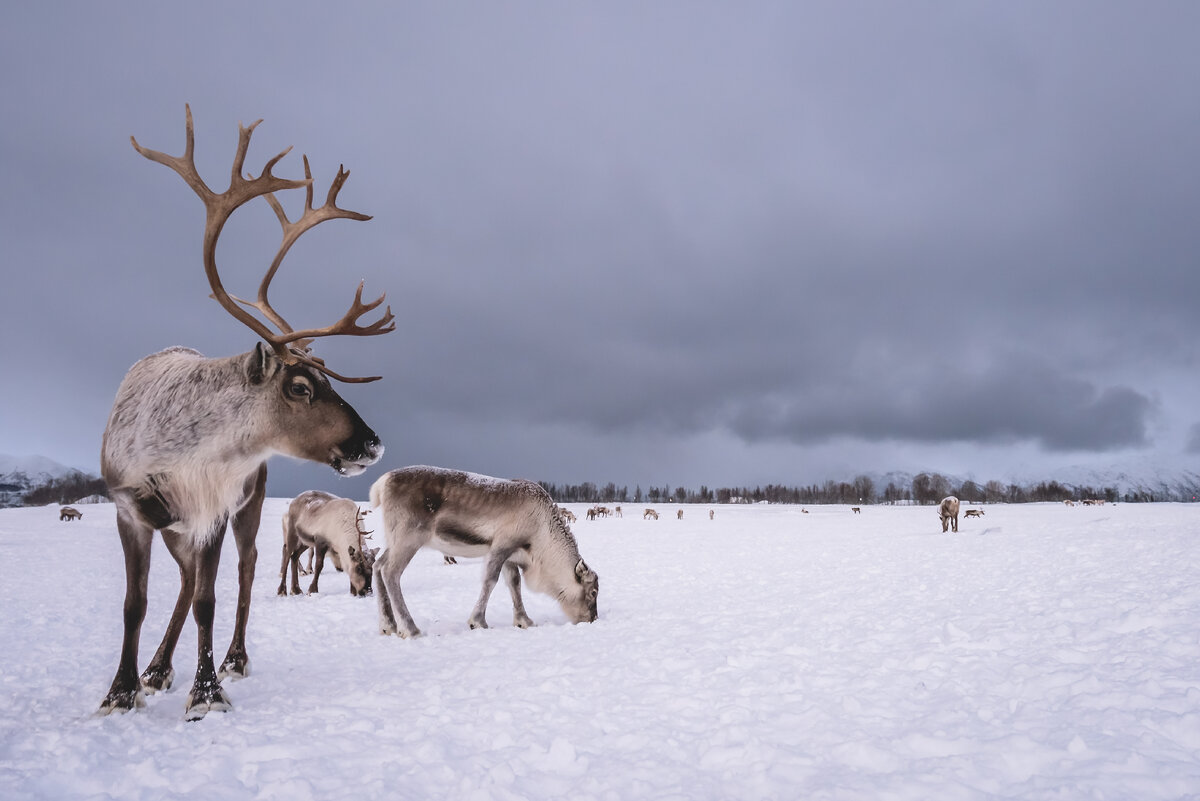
(299, 388)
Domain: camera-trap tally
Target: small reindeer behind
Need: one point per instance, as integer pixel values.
(327, 524)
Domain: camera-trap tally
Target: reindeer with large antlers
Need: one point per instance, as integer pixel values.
(187, 441)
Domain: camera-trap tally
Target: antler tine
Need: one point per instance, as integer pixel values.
(348, 325)
(359, 517)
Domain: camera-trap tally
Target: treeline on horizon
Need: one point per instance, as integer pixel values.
(925, 489)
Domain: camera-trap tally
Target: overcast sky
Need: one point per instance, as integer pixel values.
(649, 243)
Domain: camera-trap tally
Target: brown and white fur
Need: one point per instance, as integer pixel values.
(513, 524)
(327, 524)
(948, 513)
(185, 453)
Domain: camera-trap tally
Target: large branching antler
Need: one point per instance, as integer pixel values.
(290, 345)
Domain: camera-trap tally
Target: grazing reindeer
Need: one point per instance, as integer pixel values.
(325, 523)
(948, 512)
(649, 513)
(567, 514)
(186, 445)
(514, 524)
(973, 513)
(69, 513)
(856, 509)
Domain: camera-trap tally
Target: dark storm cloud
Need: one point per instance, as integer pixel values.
(791, 224)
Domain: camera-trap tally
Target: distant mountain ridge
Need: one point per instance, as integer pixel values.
(21, 474)
(1137, 477)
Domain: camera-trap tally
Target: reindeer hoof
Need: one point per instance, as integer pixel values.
(233, 668)
(157, 680)
(477, 624)
(206, 699)
(121, 702)
(523, 623)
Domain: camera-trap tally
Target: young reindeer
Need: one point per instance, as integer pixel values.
(325, 523)
(186, 445)
(514, 524)
(948, 513)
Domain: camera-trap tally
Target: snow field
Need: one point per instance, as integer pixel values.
(1042, 652)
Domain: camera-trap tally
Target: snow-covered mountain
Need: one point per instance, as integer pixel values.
(1147, 479)
(20, 474)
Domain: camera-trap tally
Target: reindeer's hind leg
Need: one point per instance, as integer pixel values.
(159, 674)
(393, 612)
(491, 574)
(512, 577)
(136, 534)
(206, 694)
(245, 531)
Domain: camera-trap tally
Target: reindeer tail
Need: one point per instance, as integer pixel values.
(377, 490)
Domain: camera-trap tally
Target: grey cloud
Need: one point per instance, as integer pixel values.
(793, 223)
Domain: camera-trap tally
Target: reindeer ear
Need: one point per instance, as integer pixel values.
(260, 364)
(351, 551)
(581, 570)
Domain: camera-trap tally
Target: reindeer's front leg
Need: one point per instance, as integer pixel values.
(512, 577)
(159, 674)
(206, 694)
(491, 574)
(126, 690)
(245, 533)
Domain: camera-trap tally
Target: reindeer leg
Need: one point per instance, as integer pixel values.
(393, 612)
(316, 574)
(283, 569)
(206, 694)
(126, 691)
(512, 577)
(491, 574)
(236, 663)
(159, 674)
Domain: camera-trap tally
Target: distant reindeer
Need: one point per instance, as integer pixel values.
(973, 513)
(948, 513)
(1069, 502)
(679, 515)
(567, 514)
(711, 514)
(513, 524)
(327, 524)
(186, 445)
(617, 512)
(69, 513)
(649, 514)
(856, 509)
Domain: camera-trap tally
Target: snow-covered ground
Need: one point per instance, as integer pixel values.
(1044, 652)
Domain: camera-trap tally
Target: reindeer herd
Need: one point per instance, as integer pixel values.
(185, 453)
